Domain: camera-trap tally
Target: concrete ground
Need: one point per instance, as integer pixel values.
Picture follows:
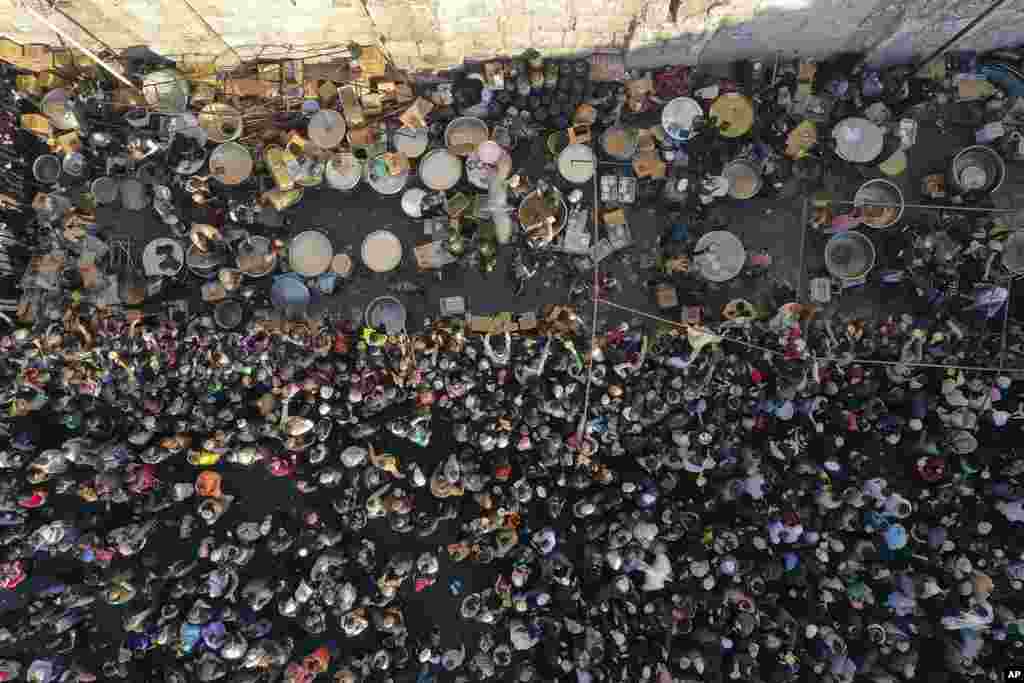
(772, 225)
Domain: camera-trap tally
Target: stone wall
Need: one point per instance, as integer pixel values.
(439, 33)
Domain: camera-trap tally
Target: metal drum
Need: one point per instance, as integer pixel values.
(105, 189)
(412, 202)
(858, 140)
(327, 128)
(255, 257)
(378, 178)
(412, 142)
(679, 118)
(464, 134)
(721, 256)
(440, 170)
(222, 122)
(387, 312)
(344, 172)
(849, 255)
(744, 178)
(163, 257)
(46, 169)
(977, 169)
(577, 164)
(734, 114)
(310, 253)
(879, 191)
(382, 251)
(231, 163)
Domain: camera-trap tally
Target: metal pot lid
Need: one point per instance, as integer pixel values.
(327, 129)
(163, 257)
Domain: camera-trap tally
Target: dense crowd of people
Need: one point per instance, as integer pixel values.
(792, 499)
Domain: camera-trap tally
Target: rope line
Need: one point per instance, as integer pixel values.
(820, 359)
